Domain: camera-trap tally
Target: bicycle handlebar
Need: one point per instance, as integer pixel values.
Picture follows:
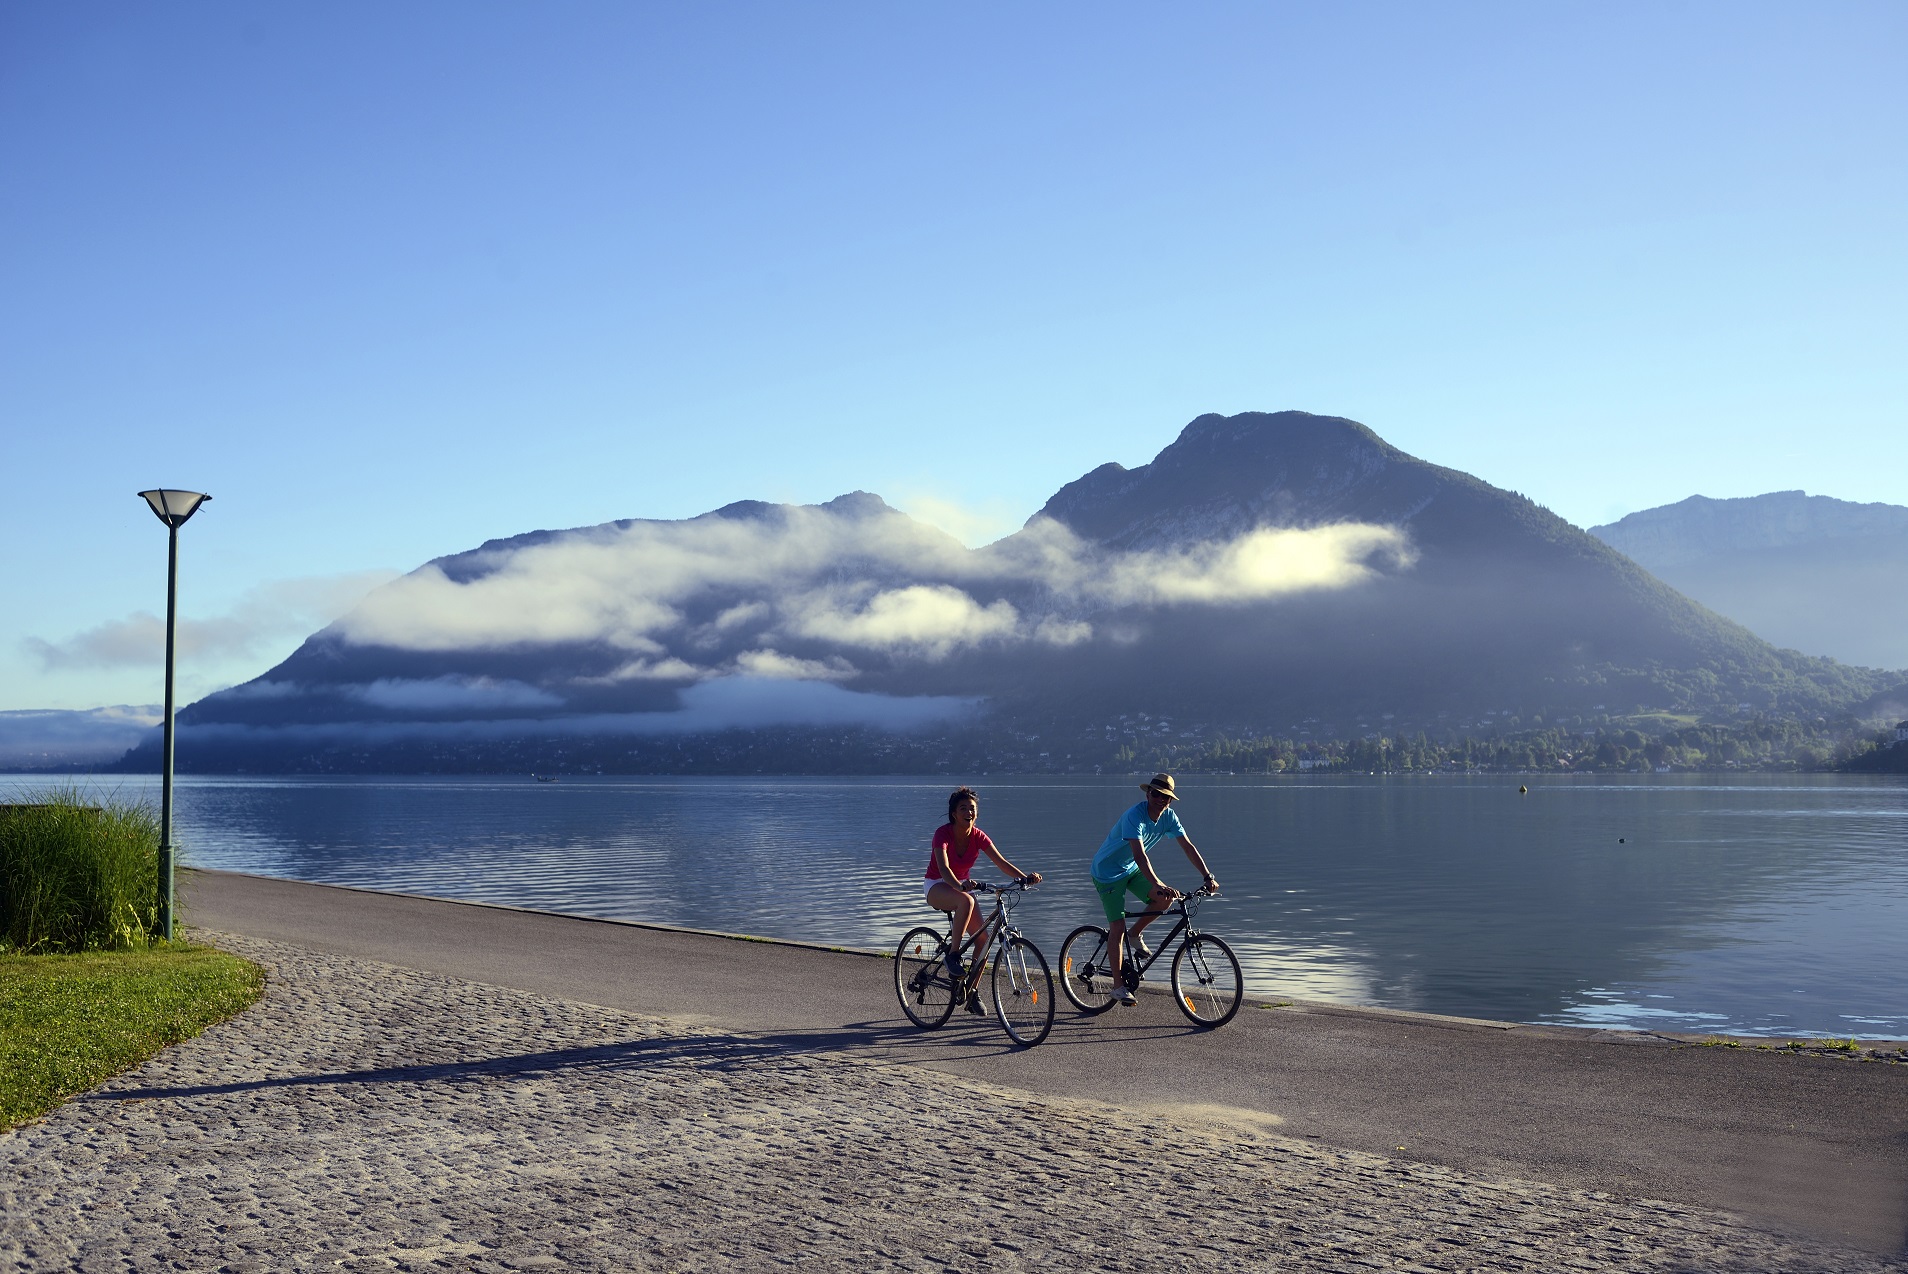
(982, 887)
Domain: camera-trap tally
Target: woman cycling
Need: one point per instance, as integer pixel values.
(957, 843)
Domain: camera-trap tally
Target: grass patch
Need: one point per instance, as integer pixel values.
(70, 1022)
(77, 876)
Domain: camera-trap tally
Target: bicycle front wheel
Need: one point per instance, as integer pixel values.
(921, 979)
(1023, 992)
(1207, 983)
(1089, 984)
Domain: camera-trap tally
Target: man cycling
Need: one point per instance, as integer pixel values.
(1121, 867)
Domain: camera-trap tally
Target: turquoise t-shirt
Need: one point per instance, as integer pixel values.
(1115, 859)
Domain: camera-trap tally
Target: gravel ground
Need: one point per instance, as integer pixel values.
(364, 1117)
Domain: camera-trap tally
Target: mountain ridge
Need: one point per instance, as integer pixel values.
(1824, 576)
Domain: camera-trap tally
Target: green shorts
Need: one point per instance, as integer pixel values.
(1113, 896)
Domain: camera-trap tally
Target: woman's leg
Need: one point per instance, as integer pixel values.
(979, 953)
(960, 905)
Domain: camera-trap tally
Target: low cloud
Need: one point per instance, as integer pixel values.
(454, 694)
(673, 595)
(725, 703)
(263, 616)
(1261, 565)
(927, 620)
(973, 522)
(774, 665)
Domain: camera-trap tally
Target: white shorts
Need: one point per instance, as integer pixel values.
(927, 894)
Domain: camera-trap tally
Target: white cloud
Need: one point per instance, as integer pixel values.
(726, 703)
(877, 581)
(621, 585)
(737, 616)
(1055, 631)
(930, 620)
(1257, 566)
(453, 694)
(666, 669)
(262, 616)
(974, 521)
(773, 664)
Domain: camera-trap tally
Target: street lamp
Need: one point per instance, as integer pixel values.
(172, 508)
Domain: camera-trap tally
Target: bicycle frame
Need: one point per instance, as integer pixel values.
(998, 926)
(1182, 925)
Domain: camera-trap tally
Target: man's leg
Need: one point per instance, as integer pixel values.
(1156, 903)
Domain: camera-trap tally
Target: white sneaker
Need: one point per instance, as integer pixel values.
(1124, 994)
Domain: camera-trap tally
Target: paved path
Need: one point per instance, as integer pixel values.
(1812, 1144)
(368, 1117)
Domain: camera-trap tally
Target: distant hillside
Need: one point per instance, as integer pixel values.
(51, 739)
(1284, 572)
(1826, 577)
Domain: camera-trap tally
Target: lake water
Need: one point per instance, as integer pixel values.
(1757, 905)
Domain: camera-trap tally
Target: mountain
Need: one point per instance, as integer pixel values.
(1828, 577)
(1265, 572)
(46, 739)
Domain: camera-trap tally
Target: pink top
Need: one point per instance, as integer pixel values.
(960, 858)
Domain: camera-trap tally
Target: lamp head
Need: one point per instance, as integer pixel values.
(174, 507)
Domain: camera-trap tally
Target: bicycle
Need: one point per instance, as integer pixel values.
(1207, 984)
(1022, 984)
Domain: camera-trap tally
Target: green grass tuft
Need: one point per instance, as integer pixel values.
(70, 1022)
(77, 876)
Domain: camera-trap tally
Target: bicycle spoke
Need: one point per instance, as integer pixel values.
(1023, 992)
(1088, 984)
(1207, 983)
(921, 979)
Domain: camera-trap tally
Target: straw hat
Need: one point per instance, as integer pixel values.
(1163, 784)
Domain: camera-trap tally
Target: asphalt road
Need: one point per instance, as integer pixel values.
(1816, 1146)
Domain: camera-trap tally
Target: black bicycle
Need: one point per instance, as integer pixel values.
(1207, 984)
(1022, 986)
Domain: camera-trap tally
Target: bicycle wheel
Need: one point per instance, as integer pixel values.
(1089, 984)
(1023, 992)
(1206, 981)
(921, 980)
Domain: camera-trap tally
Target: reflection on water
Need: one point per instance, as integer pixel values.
(1758, 906)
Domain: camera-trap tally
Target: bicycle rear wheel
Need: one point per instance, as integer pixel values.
(1207, 983)
(921, 980)
(1089, 984)
(1023, 992)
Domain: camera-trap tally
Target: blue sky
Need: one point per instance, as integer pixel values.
(392, 280)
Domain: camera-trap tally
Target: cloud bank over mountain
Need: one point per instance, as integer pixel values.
(852, 573)
(758, 615)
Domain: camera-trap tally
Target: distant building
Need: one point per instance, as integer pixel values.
(1901, 732)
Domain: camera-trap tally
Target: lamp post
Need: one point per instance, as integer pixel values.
(172, 508)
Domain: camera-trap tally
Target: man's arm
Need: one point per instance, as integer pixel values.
(1146, 868)
(1198, 861)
